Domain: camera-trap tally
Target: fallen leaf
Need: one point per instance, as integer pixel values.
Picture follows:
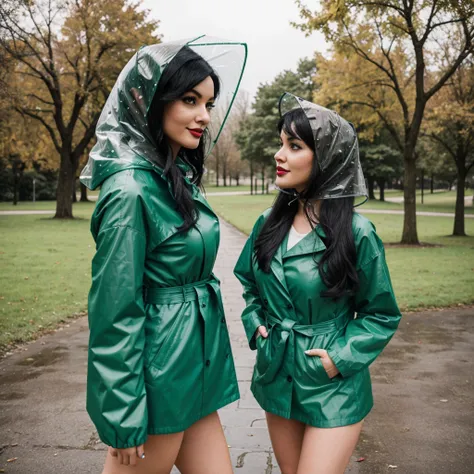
(12, 459)
(443, 400)
(13, 445)
(391, 466)
(360, 459)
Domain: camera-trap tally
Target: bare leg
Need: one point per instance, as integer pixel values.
(161, 452)
(204, 449)
(328, 450)
(287, 440)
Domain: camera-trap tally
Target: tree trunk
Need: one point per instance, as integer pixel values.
(410, 234)
(432, 184)
(84, 193)
(217, 171)
(65, 189)
(381, 183)
(74, 193)
(370, 182)
(251, 178)
(237, 178)
(459, 228)
(224, 173)
(263, 180)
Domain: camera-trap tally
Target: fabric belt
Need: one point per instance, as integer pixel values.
(181, 294)
(284, 333)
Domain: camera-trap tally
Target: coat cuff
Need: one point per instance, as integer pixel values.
(130, 443)
(251, 322)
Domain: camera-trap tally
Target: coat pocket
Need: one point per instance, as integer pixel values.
(161, 332)
(263, 354)
(311, 367)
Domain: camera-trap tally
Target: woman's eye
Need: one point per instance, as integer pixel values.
(295, 147)
(189, 100)
(210, 105)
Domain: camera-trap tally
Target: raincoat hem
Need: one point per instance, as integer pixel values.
(188, 424)
(315, 422)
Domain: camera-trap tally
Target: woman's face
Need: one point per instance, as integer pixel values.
(185, 119)
(294, 161)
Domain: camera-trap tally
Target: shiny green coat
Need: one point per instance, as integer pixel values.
(287, 382)
(159, 353)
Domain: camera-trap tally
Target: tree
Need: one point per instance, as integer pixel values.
(398, 39)
(380, 163)
(68, 55)
(450, 124)
(257, 138)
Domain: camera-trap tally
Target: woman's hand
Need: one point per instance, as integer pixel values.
(128, 456)
(261, 331)
(327, 362)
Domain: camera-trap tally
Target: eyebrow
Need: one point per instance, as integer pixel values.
(194, 91)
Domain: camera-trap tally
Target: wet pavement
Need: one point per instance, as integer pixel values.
(422, 422)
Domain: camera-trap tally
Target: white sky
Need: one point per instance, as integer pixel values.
(273, 44)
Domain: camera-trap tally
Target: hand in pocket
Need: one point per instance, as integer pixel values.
(327, 362)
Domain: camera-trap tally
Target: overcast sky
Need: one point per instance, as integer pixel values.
(273, 44)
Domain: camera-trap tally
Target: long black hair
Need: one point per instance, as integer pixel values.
(337, 264)
(185, 71)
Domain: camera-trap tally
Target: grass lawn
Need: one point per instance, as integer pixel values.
(422, 277)
(46, 272)
(46, 263)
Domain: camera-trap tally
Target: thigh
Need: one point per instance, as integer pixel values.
(161, 452)
(328, 450)
(204, 449)
(287, 439)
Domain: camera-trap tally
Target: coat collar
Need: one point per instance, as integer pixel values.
(311, 243)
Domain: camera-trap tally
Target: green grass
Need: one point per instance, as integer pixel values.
(45, 272)
(46, 263)
(423, 277)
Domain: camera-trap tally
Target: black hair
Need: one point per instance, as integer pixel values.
(337, 266)
(185, 71)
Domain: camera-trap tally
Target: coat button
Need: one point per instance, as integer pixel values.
(289, 306)
(289, 378)
(203, 305)
(227, 356)
(208, 363)
(223, 320)
(265, 301)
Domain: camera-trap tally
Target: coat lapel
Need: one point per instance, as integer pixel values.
(277, 264)
(311, 243)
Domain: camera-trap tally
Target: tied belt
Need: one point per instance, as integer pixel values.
(181, 294)
(284, 331)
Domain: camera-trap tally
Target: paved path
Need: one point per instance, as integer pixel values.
(423, 386)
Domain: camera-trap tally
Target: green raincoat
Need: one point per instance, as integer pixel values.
(159, 351)
(287, 382)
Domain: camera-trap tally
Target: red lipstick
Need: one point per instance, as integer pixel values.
(196, 132)
(281, 171)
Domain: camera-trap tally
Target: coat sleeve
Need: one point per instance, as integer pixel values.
(378, 315)
(116, 397)
(252, 316)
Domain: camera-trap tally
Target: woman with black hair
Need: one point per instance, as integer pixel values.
(310, 264)
(160, 363)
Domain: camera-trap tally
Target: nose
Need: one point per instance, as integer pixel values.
(279, 156)
(203, 117)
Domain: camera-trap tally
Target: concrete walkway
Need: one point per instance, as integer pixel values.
(422, 422)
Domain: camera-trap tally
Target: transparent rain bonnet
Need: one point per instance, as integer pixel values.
(336, 149)
(123, 135)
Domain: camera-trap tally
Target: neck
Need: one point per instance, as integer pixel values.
(315, 204)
